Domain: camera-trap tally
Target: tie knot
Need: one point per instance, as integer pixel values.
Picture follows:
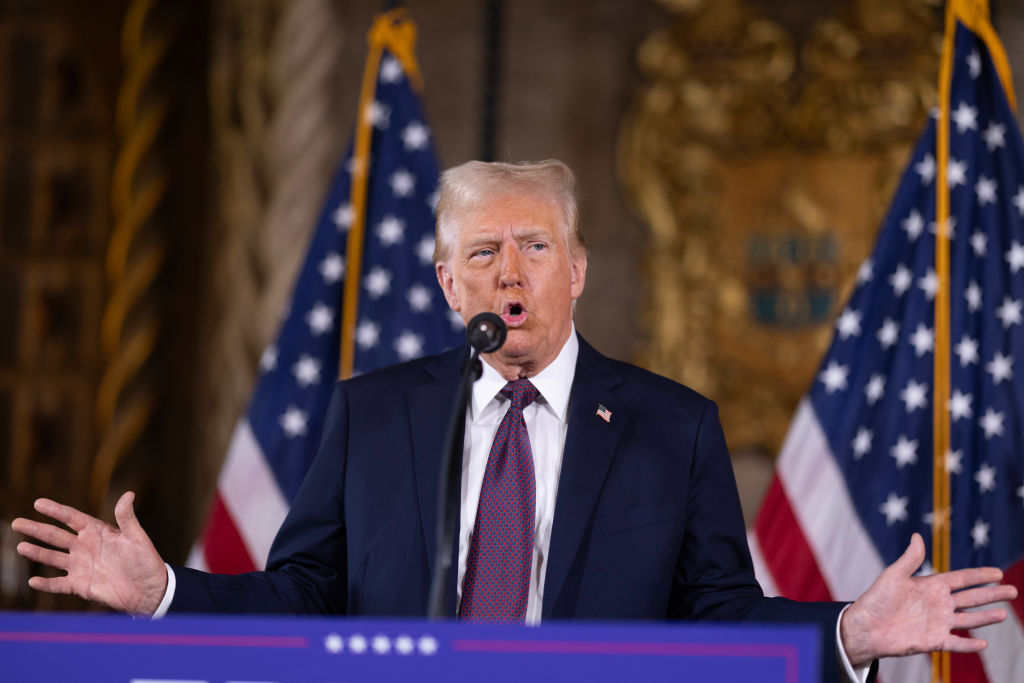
(522, 392)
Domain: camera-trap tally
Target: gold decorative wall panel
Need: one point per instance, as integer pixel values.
(762, 154)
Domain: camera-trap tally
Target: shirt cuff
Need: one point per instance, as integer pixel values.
(852, 675)
(165, 604)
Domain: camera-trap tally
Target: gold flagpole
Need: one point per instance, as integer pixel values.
(395, 32)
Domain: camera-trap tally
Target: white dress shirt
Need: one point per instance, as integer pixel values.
(546, 425)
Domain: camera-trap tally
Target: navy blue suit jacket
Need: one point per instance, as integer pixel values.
(647, 521)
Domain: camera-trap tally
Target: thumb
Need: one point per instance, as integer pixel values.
(124, 513)
(911, 559)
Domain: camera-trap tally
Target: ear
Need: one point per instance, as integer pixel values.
(446, 279)
(578, 274)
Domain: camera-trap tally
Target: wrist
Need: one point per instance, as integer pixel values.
(855, 637)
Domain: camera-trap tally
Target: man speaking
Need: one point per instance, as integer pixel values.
(591, 489)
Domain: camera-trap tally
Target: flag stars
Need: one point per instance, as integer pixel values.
(905, 452)
(875, 389)
(994, 136)
(419, 298)
(834, 377)
(888, 333)
(306, 371)
(922, 340)
(320, 319)
(268, 359)
(956, 173)
(979, 533)
(960, 405)
(415, 136)
(979, 243)
(965, 117)
(926, 169)
(849, 324)
(432, 200)
(1020, 492)
(866, 271)
(343, 216)
(973, 296)
(293, 422)
(862, 443)
(409, 345)
(378, 114)
(1000, 367)
(404, 645)
(914, 395)
(986, 478)
(402, 183)
(949, 230)
(377, 282)
(901, 280)
(456, 320)
(1009, 312)
(1015, 257)
(974, 63)
(913, 225)
(1018, 200)
(954, 461)
(390, 230)
(390, 70)
(425, 250)
(967, 351)
(985, 188)
(992, 423)
(367, 334)
(332, 267)
(929, 284)
(894, 508)
(381, 644)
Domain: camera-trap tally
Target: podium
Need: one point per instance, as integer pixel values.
(212, 649)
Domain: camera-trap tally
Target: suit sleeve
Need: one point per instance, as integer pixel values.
(714, 577)
(307, 568)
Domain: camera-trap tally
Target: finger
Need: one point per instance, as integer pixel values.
(124, 513)
(47, 533)
(911, 559)
(53, 558)
(976, 597)
(954, 643)
(975, 576)
(58, 584)
(969, 620)
(75, 519)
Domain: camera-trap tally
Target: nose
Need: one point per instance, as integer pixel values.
(511, 274)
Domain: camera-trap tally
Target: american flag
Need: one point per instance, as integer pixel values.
(401, 315)
(854, 478)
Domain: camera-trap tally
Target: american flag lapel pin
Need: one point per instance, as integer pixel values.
(604, 413)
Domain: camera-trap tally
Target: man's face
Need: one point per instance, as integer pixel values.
(511, 257)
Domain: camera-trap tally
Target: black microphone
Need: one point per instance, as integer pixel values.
(486, 332)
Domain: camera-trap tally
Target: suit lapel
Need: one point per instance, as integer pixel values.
(429, 406)
(590, 446)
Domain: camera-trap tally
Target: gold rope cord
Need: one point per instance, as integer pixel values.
(129, 330)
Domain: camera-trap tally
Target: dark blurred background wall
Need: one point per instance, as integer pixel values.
(162, 164)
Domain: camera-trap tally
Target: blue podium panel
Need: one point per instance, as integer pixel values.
(77, 647)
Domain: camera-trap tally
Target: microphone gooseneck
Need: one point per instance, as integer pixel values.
(486, 332)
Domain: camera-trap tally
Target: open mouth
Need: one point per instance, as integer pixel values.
(514, 313)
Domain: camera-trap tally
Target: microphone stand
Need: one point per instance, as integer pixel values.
(450, 484)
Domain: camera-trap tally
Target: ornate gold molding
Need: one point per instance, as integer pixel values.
(762, 159)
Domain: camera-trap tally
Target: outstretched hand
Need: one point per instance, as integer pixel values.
(117, 567)
(903, 614)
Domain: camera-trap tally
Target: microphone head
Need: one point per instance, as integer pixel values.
(486, 332)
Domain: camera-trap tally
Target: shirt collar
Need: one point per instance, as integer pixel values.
(553, 382)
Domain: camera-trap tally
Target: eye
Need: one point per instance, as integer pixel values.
(538, 246)
(483, 253)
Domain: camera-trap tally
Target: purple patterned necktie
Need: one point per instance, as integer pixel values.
(497, 583)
